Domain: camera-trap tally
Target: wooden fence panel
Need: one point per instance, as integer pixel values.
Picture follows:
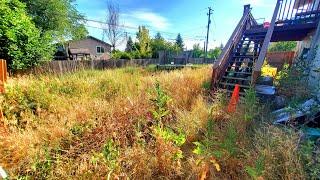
(278, 59)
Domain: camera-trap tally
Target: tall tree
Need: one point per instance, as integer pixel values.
(158, 44)
(59, 18)
(21, 42)
(114, 31)
(130, 45)
(144, 41)
(179, 41)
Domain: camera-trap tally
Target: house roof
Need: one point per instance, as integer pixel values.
(96, 39)
(79, 51)
(301, 3)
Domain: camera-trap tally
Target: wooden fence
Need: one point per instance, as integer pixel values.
(60, 67)
(278, 59)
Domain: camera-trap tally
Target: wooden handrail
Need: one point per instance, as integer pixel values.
(232, 42)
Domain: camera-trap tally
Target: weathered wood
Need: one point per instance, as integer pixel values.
(220, 65)
(263, 52)
(3, 75)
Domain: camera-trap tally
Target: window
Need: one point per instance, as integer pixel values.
(100, 49)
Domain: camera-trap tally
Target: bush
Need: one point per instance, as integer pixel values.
(20, 40)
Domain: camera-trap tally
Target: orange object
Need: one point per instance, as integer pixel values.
(3, 74)
(234, 99)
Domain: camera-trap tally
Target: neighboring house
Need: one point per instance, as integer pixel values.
(84, 49)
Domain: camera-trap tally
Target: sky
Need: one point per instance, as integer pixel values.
(170, 17)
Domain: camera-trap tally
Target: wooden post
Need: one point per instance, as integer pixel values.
(3, 74)
(3, 79)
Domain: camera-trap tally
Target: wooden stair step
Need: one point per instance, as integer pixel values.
(236, 78)
(246, 73)
(244, 56)
(233, 85)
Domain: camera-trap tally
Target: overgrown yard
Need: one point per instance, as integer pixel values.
(139, 124)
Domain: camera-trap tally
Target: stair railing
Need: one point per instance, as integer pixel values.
(258, 65)
(220, 65)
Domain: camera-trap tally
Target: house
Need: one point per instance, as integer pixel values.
(89, 48)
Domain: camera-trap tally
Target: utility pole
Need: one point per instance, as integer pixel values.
(208, 29)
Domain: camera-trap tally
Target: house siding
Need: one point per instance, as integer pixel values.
(91, 44)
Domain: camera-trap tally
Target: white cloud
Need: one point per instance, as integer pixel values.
(147, 17)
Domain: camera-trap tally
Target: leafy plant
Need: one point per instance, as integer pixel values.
(250, 104)
(169, 135)
(310, 158)
(161, 103)
(257, 171)
(230, 142)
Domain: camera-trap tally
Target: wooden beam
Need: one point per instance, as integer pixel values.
(267, 39)
(3, 74)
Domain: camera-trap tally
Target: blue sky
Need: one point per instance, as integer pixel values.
(170, 17)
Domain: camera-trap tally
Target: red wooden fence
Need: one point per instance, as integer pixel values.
(278, 59)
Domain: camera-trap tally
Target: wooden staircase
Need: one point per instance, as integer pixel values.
(242, 58)
(240, 66)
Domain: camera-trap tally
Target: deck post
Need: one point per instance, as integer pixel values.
(262, 55)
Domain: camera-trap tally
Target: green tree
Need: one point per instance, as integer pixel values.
(214, 53)
(283, 46)
(130, 45)
(158, 44)
(179, 41)
(59, 18)
(144, 42)
(21, 42)
(197, 51)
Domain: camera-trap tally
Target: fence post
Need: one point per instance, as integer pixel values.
(3, 79)
(3, 74)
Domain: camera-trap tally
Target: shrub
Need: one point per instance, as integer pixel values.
(20, 40)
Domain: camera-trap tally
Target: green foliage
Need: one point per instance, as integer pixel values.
(214, 53)
(60, 18)
(256, 171)
(310, 157)
(169, 135)
(110, 151)
(179, 42)
(160, 102)
(20, 41)
(250, 104)
(121, 55)
(229, 143)
(283, 46)
(290, 81)
(42, 167)
(130, 45)
(197, 51)
(144, 42)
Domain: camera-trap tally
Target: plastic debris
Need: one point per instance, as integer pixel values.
(313, 132)
(3, 173)
(286, 114)
(265, 89)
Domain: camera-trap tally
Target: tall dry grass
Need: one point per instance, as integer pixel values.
(102, 124)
